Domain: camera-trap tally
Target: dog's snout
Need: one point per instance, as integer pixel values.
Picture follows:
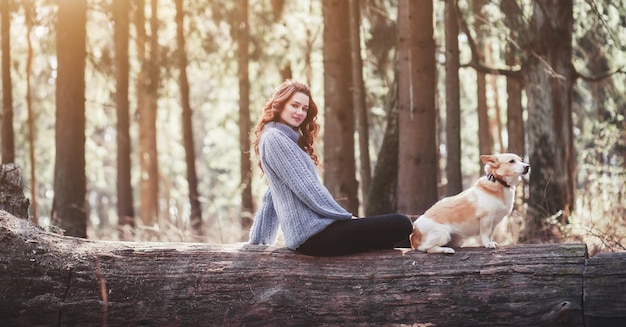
(526, 169)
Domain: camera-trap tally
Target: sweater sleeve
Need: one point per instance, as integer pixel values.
(291, 164)
(265, 226)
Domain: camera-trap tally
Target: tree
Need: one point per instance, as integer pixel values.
(418, 160)
(69, 207)
(339, 161)
(453, 101)
(358, 98)
(147, 87)
(549, 76)
(7, 136)
(515, 122)
(188, 142)
(125, 209)
(34, 189)
(382, 195)
(485, 139)
(495, 119)
(243, 32)
(311, 36)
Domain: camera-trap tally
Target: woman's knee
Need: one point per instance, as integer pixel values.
(405, 222)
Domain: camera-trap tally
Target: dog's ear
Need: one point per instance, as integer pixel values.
(490, 160)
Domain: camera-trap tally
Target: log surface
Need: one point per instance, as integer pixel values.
(47, 279)
(604, 292)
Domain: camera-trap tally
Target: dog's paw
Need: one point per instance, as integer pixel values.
(491, 245)
(439, 249)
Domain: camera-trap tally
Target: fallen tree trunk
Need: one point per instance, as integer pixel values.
(48, 279)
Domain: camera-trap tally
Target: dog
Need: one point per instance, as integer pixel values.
(475, 211)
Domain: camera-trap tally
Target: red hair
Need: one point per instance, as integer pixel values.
(275, 105)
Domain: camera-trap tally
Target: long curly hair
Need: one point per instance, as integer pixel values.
(275, 105)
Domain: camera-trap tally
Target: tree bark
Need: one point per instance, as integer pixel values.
(339, 161)
(495, 120)
(514, 20)
(6, 128)
(245, 168)
(187, 124)
(70, 181)
(147, 87)
(50, 279)
(358, 98)
(485, 138)
(418, 163)
(549, 78)
(603, 301)
(34, 188)
(453, 102)
(515, 111)
(125, 208)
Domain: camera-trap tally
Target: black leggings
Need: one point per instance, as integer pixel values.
(358, 235)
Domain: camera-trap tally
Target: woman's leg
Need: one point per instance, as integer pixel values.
(358, 235)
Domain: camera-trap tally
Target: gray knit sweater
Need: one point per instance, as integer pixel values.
(296, 199)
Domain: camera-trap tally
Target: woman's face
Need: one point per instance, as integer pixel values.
(296, 110)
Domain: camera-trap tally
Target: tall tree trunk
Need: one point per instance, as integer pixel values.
(153, 105)
(598, 63)
(358, 95)
(339, 161)
(382, 196)
(69, 206)
(311, 35)
(515, 121)
(34, 189)
(247, 207)
(125, 209)
(495, 121)
(141, 89)
(418, 160)
(8, 141)
(549, 76)
(485, 140)
(147, 106)
(187, 121)
(453, 102)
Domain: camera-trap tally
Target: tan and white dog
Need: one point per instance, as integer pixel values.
(475, 211)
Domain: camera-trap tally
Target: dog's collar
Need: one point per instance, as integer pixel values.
(494, 179)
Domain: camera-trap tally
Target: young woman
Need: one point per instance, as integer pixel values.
(312, 222)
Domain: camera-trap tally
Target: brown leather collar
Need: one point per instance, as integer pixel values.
(494, 179)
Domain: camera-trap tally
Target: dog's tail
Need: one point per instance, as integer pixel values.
(415, 238)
